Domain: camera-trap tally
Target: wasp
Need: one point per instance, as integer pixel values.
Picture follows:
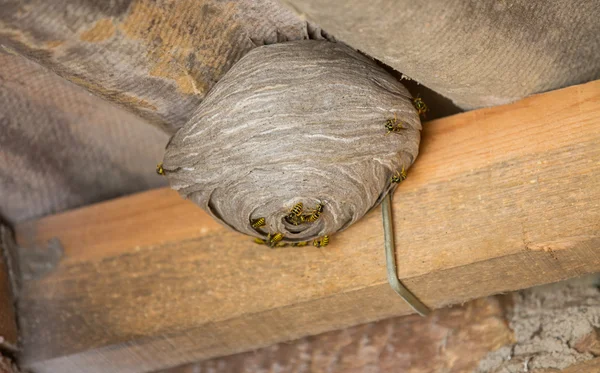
(393, 125)
(260, 241)
(419, 104)
(257, 223)
(274, 240)
(297, 220)
(300, 244)
(316, 213)
(296, 211)
(399, 176)
(324, 241)
(159, 169)
(295, 215)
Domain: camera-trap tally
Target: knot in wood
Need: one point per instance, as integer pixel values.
(303, 121)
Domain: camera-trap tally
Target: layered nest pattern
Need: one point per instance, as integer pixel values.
(297, 122)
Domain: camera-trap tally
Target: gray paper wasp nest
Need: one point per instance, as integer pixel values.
(295, 122)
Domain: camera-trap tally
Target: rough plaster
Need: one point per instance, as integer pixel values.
(548, 322)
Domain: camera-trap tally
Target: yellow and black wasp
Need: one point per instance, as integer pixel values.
(315, 214)
(393, 125)
(257, 223)
(420, 105)
(322, 242)
(260, 241)
(399, 176)
(295, 214)
(275, 239)
(160, 170)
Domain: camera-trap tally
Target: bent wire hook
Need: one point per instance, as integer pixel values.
(390, 256)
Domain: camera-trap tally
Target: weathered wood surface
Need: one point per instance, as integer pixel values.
(157, 58)
(410, 344)
(591, 366)
(8, 322)
(500, 199)
(477, 53)
(62, 148)
(553, 326)
(7, 365)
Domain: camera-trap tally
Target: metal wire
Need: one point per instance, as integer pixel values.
(390, 256)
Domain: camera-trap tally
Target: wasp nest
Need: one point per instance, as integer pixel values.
(300, 122)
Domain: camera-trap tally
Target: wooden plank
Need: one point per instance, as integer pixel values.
(409, 344)
(590, 366)
(498, 54)
(235, 363)
(8, 323)
(158, 59)
(516, 332)
(500, 199)
(42, 113)
(7, 365)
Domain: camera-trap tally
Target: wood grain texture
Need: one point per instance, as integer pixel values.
(500, 199)
(7, 365)
(9, 334)
(409, 344)
(538, 328)
(62, 148)
(475, 53)
(591, 366)
(156, 58)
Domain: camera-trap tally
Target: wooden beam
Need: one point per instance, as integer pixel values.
(8, 323)
(590, 366)
(42, 113)
(409, 344)
(500, 199)
(158, 59)
(515, 332)
(7, 365)
(422, 40)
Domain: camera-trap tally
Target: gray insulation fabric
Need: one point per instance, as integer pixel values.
(61, 147)
(294, 122)
(477, 53)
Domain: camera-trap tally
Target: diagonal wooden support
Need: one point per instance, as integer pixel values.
(500, 199)
(157, 59)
